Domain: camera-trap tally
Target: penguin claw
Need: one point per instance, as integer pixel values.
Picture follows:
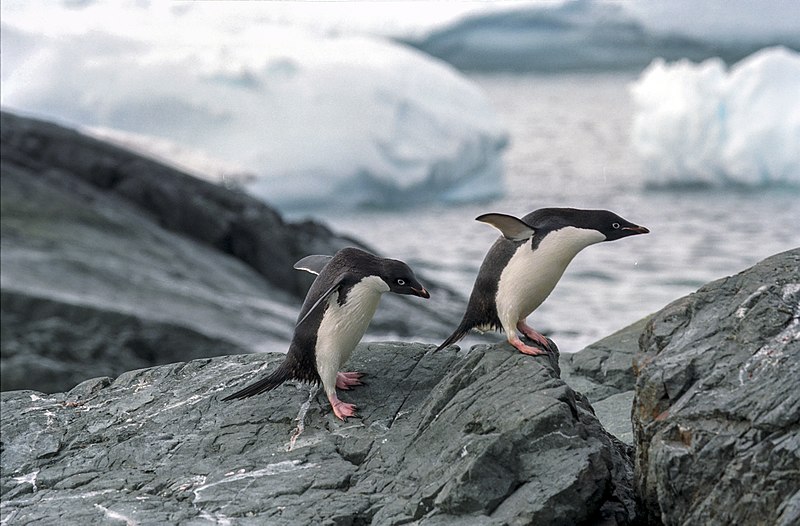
(535, 336)
(343, 410)
(532, 351)
(526, 349)
(345, 381)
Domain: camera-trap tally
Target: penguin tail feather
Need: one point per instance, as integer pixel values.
(278, 376)
(459, 333)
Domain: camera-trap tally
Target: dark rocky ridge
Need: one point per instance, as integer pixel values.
(717, 410)
(227, 220)
(112, 261)
(487, 436)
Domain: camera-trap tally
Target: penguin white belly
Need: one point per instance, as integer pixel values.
(531, 275)
(343, 326)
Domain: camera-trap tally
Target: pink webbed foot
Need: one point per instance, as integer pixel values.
(534, 335)
(345, 381)
(525, 349)
(341, 409)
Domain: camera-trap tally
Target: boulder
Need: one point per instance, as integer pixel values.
(716, 414)
(485, 436)
(111, 261)
(225, 219)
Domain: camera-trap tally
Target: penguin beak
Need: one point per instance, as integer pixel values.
(422, 293)
(636, 229)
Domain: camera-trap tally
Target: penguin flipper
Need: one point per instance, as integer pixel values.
(278, 376)
(512, 228)
(333, 288)
(313, 264)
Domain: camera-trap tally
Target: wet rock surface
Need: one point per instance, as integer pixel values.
(485, 436)
(717, 410)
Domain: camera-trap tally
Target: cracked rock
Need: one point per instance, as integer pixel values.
(717, 408)
(485, 436)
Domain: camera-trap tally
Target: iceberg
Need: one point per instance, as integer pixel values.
(314, 118)
(588, 35)
(707, 125)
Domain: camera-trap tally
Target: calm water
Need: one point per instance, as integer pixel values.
(570, 147)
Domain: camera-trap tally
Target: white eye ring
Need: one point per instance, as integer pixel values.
(615, 225)
(400, 281)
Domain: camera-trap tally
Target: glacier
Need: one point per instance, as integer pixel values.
(305, 119)
(702, 124)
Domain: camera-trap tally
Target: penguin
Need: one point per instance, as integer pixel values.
(334, 316)
(523, 266)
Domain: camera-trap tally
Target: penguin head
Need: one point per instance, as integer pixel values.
(401, 279)
(613, 226)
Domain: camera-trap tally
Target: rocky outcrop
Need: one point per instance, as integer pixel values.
(603, 372)
(111, 261)
(488, 436)
(717, 410)
(224, 219)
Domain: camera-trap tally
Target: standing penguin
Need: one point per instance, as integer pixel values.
(335, 314)
(524, 265)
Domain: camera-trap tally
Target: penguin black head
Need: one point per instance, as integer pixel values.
(401, 279)
(607, 223)
(611, 225)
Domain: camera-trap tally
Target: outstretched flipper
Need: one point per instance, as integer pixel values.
(313, 264)
(512, 228)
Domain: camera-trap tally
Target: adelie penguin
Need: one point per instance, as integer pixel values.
(334, 316)
(525, 263)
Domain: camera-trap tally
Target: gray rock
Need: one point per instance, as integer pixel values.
(222, 218)
(607, 365)
(111, 261)
(717, 409)
(91, 286)
(487, 436)
(603, 372)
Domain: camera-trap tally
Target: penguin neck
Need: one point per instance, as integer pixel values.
(562, 245)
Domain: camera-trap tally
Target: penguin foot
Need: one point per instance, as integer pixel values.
(345, 381)
(533, 335)
(341, 409)
(525, 349)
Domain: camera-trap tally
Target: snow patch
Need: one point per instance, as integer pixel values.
(30, 478)
(748, 303)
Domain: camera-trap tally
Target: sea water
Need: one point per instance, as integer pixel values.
(570, 146)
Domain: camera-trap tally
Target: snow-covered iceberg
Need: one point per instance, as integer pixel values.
(705, 125)
(316, 118)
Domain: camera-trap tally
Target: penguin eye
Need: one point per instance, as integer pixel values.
(400, 281)
(615, 225)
